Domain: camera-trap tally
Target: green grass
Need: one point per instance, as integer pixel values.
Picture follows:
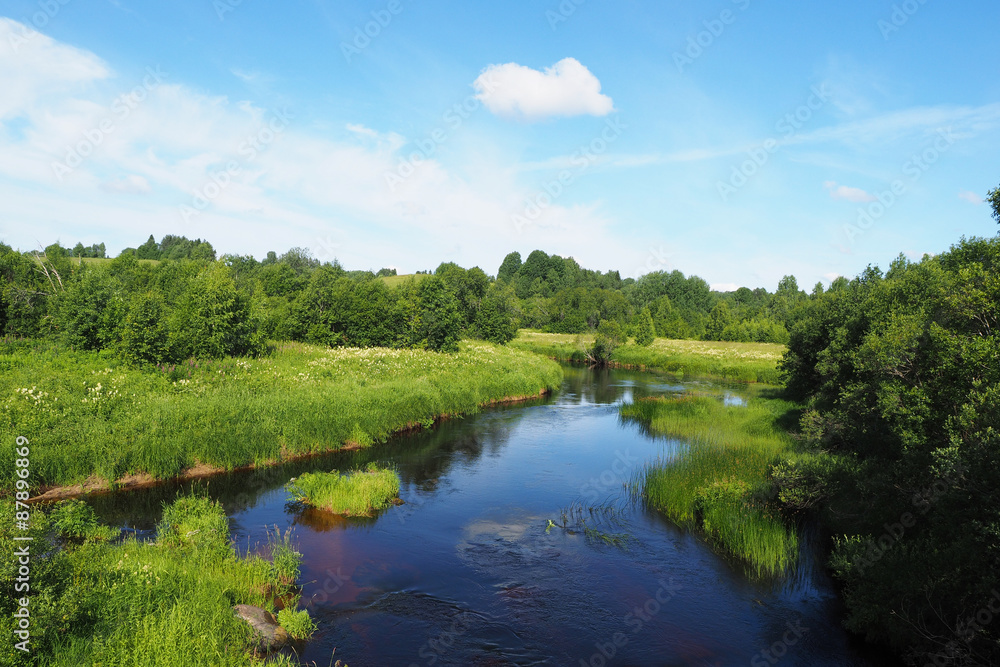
(717, 478)
(167, 603)
(394, 281)
(89, 416)
(740, 362)
(359, 493)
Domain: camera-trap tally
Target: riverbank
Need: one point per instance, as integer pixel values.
(92, 421)
(717, 475)
(169, 603)
(738, 362)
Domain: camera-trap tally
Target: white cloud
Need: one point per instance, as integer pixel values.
(300, 188)
(970, 197)
(131, 184)
(565, 89)
(845, 193)
(830, 277)
(724, 287)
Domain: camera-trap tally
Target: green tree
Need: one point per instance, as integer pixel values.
(148, 250)
(214, 319)
(718, 320)
(993, 198)
(496, 319)
(438, 324)
(510, 266)
(144, 336)
(645, 333)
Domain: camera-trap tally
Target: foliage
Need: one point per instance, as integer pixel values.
(359, 493)
(645, 333)
(993, 199)
(902, 371)
(716, 474)
(165, 604)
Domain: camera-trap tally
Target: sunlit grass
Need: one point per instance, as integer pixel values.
(88, 415)
(742, 362)
(716, 477)
(167, 603)
(360, 493)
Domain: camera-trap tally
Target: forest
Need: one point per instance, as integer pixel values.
(174, 299)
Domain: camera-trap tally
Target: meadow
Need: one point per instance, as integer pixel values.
(716, 475)
(739, 362)
(92, 418)
(167, 603)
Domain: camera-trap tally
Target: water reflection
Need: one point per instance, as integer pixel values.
(469, 571)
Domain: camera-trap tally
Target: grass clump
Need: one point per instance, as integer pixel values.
(297, 624)
(91, 416)
(717, 477)
(360, 493)
(739, 362)
(139, 604)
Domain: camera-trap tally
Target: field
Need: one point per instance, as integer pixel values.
(741, 362)
(718, 476)
(91, 418)
(395, 281)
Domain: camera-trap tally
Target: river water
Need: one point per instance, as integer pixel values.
(470, 571)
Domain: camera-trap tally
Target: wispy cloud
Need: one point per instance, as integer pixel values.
(846, 193)
(970, 197)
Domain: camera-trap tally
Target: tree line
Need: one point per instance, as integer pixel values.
(174, 298)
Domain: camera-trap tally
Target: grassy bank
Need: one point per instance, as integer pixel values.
(88, 416)
(360, 493)
(741, 362)
(717, 478)
(167, 603)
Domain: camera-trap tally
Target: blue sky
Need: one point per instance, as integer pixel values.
(736, 140)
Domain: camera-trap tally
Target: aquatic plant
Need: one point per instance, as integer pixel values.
(715, 473)
(359, 493)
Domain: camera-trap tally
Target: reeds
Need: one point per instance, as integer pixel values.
(715, 474)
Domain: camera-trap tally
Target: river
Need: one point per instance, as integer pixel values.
(520, 543)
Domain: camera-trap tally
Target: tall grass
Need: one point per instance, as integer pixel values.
(163, 604)
(87, 415)
(716, 477)
(740, 362)
(360, 493)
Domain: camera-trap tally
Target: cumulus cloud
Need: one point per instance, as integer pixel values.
(846, 193)
(724, 287)
(565, 89)
(177, 146)
(970, 197)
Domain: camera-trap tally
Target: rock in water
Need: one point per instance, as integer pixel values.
(270, 636)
